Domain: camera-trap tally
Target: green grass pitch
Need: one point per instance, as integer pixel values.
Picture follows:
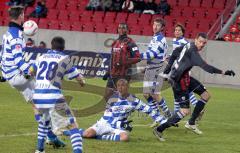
(221, 125)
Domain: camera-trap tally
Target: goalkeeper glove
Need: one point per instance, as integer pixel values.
(229, 72)
(106, 76)
(2, 79)
(126, 125)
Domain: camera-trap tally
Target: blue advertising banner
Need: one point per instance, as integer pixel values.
(90, 64)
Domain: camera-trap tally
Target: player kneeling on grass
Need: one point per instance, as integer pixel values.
(48, 98)
(114, 125)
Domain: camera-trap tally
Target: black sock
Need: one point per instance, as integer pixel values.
(171, 121)
(198, 108)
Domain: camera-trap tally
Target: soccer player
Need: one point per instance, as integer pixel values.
(14, 68)
(179, 41)
(124, 54)
(48, 98)
(113, 125)
(155, 56)
(186, 57)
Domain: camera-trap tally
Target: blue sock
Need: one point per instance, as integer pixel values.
(153, 105)
(76, 140)
(51, 135)
(163, 105)
(68, 133)
(42, 133)
(193, 99)
(110, 137)
(176, 107)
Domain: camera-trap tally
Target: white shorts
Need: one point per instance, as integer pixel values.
(23, 85)
(61, 117)
(102, 127)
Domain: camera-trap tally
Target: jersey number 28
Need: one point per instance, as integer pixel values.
(49, 68)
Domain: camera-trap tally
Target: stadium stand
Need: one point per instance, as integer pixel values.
(71, 15)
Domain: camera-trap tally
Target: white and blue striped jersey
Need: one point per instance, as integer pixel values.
(157, 49)
(50, 70)
(12, 52)
(177, 42)
(120, 109)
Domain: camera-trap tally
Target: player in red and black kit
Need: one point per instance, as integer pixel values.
(184, 58)
(124, 54)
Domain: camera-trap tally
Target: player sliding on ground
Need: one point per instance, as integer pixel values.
(114, 125)
(184, 58)
(50, 69)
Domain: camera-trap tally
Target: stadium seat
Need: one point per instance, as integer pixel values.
(199, 13)
(54, 24)
(237, 38)
(145, 18)
(136, 30)
(86, 16)
(132, 20)
(173, 2)
(29, 10)
(169, 20)
(52, 14)
(203, 27)
(88, 27)
(98, 16)
(61, 5)
(76, 26)
(181, 20)
(183, 3)
(207, 3)
(112, 28)
(74, 16)
(65, 26)
(72, 5)
(63, 15)
(43, 23)
(192, 23)
(188, 12)
(233, 29)
(176, 12)
(121, 17)
(219, 4)
(147, 31)
(51, 4)
(194, 3)
(155, 16)
(100, 27)
(212, 14)
(109, 17)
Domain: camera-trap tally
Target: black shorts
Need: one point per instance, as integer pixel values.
(112, 81)
(182, 95)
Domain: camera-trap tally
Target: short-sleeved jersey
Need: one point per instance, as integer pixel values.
(121, 108)
(157, 50)
(12, 52)
(50, 70)
(177, 42)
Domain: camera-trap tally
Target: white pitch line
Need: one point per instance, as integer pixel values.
(134, 125)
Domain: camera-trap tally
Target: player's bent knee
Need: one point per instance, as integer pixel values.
(89, 133)
(205, 96)
(124, 137)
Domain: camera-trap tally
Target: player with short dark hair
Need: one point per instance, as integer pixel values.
(185, 58)
(124, 54)
(54, 112)
(155, 57)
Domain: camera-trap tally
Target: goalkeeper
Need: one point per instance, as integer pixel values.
(114, 124)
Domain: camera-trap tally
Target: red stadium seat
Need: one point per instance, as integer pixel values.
(176, 12)
(121, 17)
(100, 27)
(52, 14)
(43, 23)
(65, 26)
(89, 27)
(207, 3)
(61, 5)
(74, 16)
(233, 29)
(51, 4)
(72, 5)
(136, 30)
(195, 3)
(29, 10)
(188, 12)
(212, 14)
(145, 18)
(132, 20)
(203, 27)
(200, 13)
(76, 26)
(219, 4)
(237, 38)
(147, 31)
(63, 15)
(112, 28)
(173, 2)
(192, 23)
(54, 24)
(181, 20)
(169, 20)
(98, 16)
(109, 17)
(183, 3)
